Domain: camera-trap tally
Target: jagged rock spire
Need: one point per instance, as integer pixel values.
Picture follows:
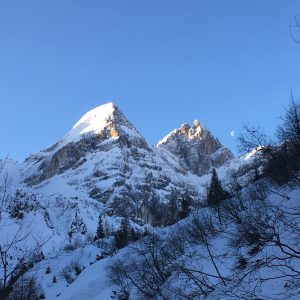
(196, 148)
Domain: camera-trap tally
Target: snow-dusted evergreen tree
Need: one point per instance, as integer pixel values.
(185, 208)
(100, 234)
(122, 236)
(216, 193)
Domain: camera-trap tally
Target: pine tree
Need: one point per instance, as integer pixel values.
(100, 231)
(185, 209)
(216, 193)
(107, 228)
(173, 209)
(122, 236)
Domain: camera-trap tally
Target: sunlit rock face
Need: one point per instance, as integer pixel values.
(98, 130)
(196, 148)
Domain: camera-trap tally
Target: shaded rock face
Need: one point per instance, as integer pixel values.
(196, 148)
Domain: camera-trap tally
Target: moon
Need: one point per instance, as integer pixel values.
(232, 133)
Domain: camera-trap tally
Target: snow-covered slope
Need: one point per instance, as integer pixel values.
(103, 166)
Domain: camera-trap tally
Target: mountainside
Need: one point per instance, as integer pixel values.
(101, 174)
(105, 158)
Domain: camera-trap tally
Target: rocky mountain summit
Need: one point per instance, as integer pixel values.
(196, 148)
(105, 123)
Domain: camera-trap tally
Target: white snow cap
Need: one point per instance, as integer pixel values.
(93, 121)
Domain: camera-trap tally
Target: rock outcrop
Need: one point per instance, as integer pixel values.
(196, 148)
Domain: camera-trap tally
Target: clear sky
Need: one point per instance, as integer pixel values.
(164, 63)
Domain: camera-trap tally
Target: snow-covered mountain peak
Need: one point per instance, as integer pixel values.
(96, 120)
(104, 128)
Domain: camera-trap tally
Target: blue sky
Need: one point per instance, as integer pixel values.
(226, 63)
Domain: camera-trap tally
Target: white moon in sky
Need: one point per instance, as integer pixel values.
(232, 133)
